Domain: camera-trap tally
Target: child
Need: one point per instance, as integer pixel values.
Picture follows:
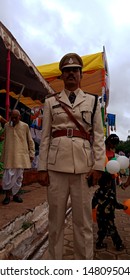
(111, 143)
(105, 200)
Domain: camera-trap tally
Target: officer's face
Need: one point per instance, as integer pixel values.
(71, 77)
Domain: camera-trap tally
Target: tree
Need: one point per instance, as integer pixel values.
(124, 146)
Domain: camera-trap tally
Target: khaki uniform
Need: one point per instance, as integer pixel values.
(68, 159)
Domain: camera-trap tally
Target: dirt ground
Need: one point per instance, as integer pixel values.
(32, 195)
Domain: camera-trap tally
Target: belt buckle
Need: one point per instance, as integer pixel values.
(69, 132)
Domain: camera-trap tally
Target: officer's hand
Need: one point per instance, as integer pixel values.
(43, 178)
(95, 176)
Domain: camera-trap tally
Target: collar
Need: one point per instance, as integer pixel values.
(75, 91)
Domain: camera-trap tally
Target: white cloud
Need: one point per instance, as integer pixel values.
(47, 29)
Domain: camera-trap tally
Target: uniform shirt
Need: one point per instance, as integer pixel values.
(71, 155)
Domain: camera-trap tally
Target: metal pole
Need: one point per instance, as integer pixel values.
(23, 87)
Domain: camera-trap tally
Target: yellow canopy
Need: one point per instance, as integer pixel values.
(95, 74)
(27, 101)
(90, 62)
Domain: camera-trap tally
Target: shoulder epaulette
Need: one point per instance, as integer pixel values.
(51, 95)
(95, 105)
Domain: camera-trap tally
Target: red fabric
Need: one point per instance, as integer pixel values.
(110, 154)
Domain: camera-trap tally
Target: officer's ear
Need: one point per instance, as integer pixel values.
(81, 74)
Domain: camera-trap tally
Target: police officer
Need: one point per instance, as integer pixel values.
(67, 158)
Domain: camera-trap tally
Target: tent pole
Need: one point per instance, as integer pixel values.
(8, 85)
(23, 87)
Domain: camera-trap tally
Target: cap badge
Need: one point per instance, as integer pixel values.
(70, 61)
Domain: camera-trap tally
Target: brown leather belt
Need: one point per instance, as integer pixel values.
(70, 132)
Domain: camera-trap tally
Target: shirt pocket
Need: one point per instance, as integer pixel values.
(57, 110)
(59, 114)
(86, 113)
(53, 150)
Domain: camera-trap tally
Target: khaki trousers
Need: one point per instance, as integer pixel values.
(61, 186)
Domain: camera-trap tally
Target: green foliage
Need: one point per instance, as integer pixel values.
(26, 225)
(124, 146)
(1, 169)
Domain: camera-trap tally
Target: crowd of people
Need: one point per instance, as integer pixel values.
(71, 159)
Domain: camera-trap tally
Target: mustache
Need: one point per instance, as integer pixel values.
(71, 76)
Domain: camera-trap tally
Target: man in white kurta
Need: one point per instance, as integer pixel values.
(66, 158)
(18, 152)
